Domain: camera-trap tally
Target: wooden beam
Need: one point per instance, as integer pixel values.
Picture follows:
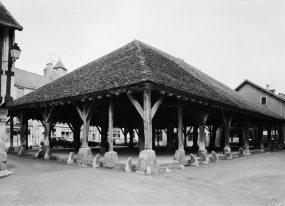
(111, 122)
(136, 105)
(180, 126)
(147, 118)
(156, 105)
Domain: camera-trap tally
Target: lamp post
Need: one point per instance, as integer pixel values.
(15, 52)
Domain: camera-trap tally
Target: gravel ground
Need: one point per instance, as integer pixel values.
(254, 180)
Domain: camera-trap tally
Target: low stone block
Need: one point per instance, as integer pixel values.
(3, 166)
(214, 157)
(110, 158)
(128, 166)
(22, 151)
(247, 153)
(241, 152)
(226, 150)
(147, 158)
(70, 158)
(199, 154)
(47, 155)
(3, 156)
(193, 161)
(180, 156)
(181, 167)
(229, 156)
(84, 156)
(204, 158)
(38, 153)
(96, 161)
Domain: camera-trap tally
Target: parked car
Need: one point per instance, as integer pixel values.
(93, 144)
(60, 141)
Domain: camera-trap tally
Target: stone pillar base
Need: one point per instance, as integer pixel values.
(247, 153)
(227, 150)
(201, 151)
(180, 156)
(110, 158)
(147, 158)
(85, 156)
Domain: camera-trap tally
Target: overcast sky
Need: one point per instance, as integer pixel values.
(230, 40)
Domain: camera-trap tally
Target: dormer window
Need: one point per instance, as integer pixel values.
(263, 101)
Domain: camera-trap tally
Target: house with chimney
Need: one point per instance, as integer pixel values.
(26, 82)
(265, 97)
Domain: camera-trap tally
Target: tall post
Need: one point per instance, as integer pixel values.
(213, 136)
(227, 119)
(131, 132)
(23, 127)
(11, 132)
(246, 135)
(269, 138)
(240, 134)
(111, 122)
(104, 133)
(195, 137)
(170, 146)
(281, 133)
(260, 137)
(111, 157)
(180, 153)
(148, 120)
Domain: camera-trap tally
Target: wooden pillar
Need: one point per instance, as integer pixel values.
(269, 138)
(104, 133)
(157, 136)
(195, 137)
(11, 131)
(213, 136)
(246, 135)
(260, 137)
(170, 146)
(23, 127)
(27, 133)
(275, 135)
(180, 126)
(153, 136)
(75, 127)
(85, 112)
(227, 119)
(111, 122)
(281, 133)
(240, 134)
(141, 138)
(131, 132)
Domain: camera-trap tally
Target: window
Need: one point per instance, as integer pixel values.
(263, 101)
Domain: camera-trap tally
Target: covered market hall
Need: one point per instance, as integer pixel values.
(140, 87)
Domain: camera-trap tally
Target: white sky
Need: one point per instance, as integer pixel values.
(230, 40)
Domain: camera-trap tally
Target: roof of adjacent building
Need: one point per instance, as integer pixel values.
(7, 19)
(137, 63)
(29, 80)
(259, 87)
(59, 64)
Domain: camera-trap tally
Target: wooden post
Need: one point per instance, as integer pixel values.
(246, 135)
(111, 122)
(281, 133)
(170, 146)
(23, 127)
(195, 137)
(75, 126)
(180, 126)
(275, 135)
(227, 119)
(269, 138)
(131, 132)
(201, 114)
(147, 114)
(260, 137)
(104, 132)
(85, 114)
(213, 136)
(240, 134)
(11, 132)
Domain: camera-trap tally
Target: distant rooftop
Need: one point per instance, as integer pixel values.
(59, 64)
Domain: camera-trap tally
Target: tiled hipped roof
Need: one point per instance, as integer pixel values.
(7, 19)
(137, 62)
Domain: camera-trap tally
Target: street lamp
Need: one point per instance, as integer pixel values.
(15, 52)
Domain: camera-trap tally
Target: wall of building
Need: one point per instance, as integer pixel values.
(255, 95)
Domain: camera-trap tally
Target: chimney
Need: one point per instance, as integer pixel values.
(48, 70)
(267, 87)
(272, 91)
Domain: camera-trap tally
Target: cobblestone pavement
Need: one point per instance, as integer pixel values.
(254, 180)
